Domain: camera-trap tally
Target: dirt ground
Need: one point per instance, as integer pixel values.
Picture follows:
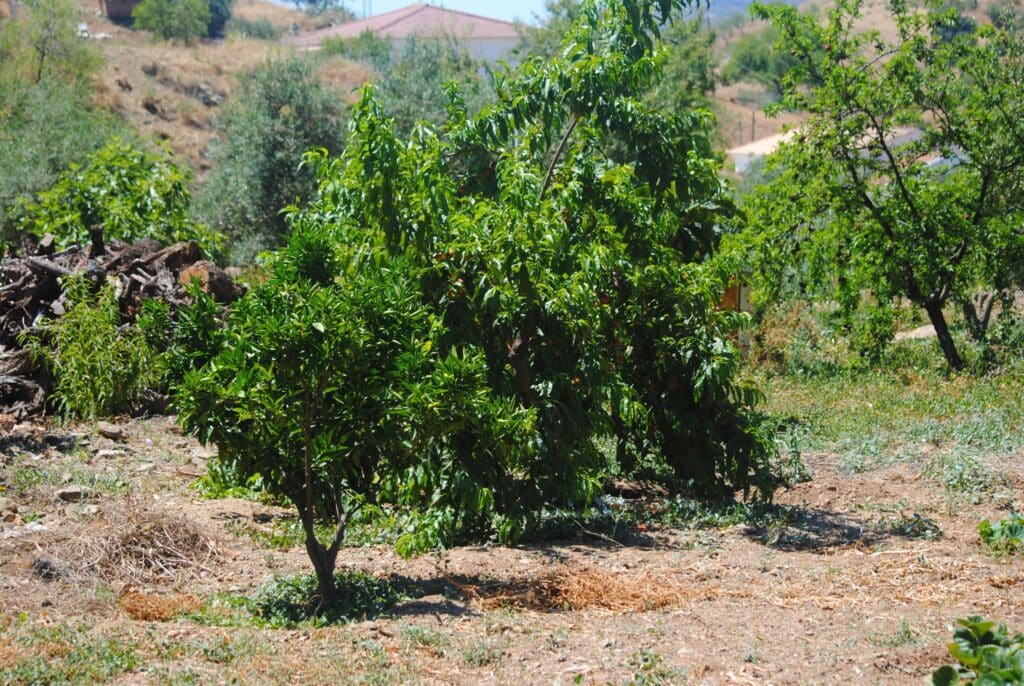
(854, 585)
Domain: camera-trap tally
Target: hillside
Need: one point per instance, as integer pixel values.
(173, 93)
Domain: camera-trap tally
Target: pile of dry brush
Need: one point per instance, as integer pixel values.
(32, 288)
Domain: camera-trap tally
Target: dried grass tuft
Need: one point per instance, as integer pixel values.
(134, 545)
(152, 607)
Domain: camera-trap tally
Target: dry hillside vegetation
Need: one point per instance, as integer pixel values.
(172, 93)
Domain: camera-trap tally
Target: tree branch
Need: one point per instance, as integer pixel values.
(558, 154)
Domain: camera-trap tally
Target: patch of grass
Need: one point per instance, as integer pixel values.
(66, 654)
(962, 474)
(423, 638)
(649, 669)
(906, 525)
(903, 635)
(291, 601)
(882, 416)
(481, 652)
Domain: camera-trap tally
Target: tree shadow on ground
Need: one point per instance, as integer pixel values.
(39, 442)
(797, 529)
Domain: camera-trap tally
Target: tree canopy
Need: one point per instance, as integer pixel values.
(906, 181)
(466, 315)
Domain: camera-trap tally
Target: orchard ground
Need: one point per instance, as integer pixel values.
(857, 576)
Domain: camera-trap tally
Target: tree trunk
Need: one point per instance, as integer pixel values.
(323, 564)
(977, 312)
(946, 342)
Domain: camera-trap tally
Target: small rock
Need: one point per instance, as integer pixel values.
(7, 504)
(104, 454)
(145, 467)
(91, 509)
(35, 526)
(73, 494)
(47, 603)
(45, 569)
(111, 431)
(204, 453)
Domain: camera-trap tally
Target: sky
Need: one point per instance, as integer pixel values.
(509, 11)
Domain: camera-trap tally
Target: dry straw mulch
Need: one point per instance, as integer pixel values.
(583, 588)
(151, 607)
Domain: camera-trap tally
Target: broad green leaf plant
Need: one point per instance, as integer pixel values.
(464, 315)
(131, 193)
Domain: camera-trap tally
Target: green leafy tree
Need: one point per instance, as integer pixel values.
(44, 42)
(906, 180)
(465, 314)
(413, 88)
(130, 193)
(281, 111)
(178, 20)
(688, 75)
(327, 391)
(545, 39)
(33, 157)
(759, 58)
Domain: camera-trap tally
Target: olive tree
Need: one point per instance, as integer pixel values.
(906, 180)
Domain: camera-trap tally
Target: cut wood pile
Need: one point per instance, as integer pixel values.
(32, 289)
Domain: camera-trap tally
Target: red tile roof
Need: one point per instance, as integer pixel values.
(420, 19)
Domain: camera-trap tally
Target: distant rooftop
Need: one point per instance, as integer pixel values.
(762, 146)
(420, 19)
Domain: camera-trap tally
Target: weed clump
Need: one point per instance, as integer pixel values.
(1005, 536)
(292, 600)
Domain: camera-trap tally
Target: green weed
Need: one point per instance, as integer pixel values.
(649, 669)
(984, 653)
(65, 654)
(431, 640)
(904, 635)
(1005, 536)
(482, 652)
(291, 601)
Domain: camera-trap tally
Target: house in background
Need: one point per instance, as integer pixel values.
(482, 37)
(745, 155)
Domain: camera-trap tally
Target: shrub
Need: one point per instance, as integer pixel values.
(463, 315)
(179, 20)
(34, 158)
(220, 15)
(366, 47)
(987, 655)
(99, 370)
(1005, 536)
(281, 112)
(186, 342)
(131, 193)
(253, 28)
